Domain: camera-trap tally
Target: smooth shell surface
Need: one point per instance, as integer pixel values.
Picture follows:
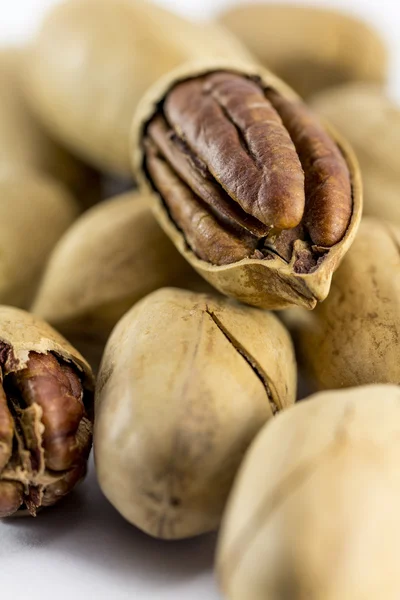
(309, 47)
(34, 213)
(270, 284)
(353, 338)
(371, 123)
(93, 59)
(186, 382)
(24, 143)
(314, 510)
(110, 258)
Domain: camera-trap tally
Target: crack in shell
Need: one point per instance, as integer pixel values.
(254, 365)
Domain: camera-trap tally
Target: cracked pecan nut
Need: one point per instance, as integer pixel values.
(259, 196)
(186, 382)
(353, 338)
(46, 397)
(310, 47)
(316, 503)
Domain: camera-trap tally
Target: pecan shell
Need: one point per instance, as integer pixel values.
(259, 195)
(26, 144)
(45, 414)
(371, 122)
(316, 503)
(122, 47)
(312, 48)
(170, 475)
(353, 338)
(35, 212)
(88, 285)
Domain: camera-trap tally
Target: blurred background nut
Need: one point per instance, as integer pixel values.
(353, 338)
(110, 258)
(46, 397)
(185, 383)
(24, 143)
(311, 48)
(315, 504)
(93, 59)
(371, 123)
(35, 211)
(257, 194)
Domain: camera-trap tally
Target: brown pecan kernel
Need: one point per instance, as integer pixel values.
(194, 173)
(245, 172)
(6, 431)
(57, 390)
(327, 181)
(213, 241)
(227, 121)
(45, 433)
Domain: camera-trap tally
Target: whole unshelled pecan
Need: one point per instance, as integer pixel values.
(45, 416)
(246, 172)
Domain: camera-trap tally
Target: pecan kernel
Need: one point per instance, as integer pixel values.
(237, 164)
(45, 433)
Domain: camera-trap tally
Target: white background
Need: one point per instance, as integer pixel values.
(83, 549)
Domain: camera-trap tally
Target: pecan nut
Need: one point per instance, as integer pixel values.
(312, 48)
(371, 122)
(45, 415)
(87, 285)
(316, 503)
(35, 212)
(353, 338)
(171, 475)
(243, 174)
(25, 143)
(127, 44)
